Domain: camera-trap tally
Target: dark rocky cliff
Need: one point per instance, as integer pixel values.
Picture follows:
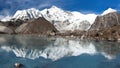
(106, 21)
(105, 27)
(36, 26)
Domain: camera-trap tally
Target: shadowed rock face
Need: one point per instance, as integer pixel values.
(13, 24)
(105, 27)
(4, 29)
(112, 33)
(36, 26)
(106, 21)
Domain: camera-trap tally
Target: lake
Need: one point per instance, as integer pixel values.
(55, 52)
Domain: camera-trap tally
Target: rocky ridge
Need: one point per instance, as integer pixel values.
(36, 26)
(105, 26)
(58, 17)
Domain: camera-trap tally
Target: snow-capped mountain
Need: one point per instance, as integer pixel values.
(61, 19)
(58, 17)
(109, 10)
(108, 19)
(56, 14)
(27, 14)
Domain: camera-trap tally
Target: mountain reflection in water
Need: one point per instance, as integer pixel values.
(52, 51)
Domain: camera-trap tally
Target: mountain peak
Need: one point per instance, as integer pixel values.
(32, 9)
(55, 7)
(109, 10)
(27, 14)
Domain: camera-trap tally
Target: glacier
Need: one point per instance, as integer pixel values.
(63, 20)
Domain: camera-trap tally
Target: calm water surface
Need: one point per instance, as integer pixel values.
(49, 52)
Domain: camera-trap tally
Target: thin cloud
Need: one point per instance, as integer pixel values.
(88, 12)
(46, 3)
(118, 8)
(5, 12)
(1, 17)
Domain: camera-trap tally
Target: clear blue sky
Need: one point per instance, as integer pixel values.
(84, 6)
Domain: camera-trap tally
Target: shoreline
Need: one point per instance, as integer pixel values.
(70, 37)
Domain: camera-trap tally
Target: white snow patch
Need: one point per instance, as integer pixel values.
(61, 19)
(7, 18)
(27, 14)
(109, 10)
(67, 20)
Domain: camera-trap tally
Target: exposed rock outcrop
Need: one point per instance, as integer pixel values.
(5, 30)
(106, 21)
(13, 24)
(36, 26)
(106, 27)
(111, 34)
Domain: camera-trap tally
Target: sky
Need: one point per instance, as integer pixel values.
(9, 7)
